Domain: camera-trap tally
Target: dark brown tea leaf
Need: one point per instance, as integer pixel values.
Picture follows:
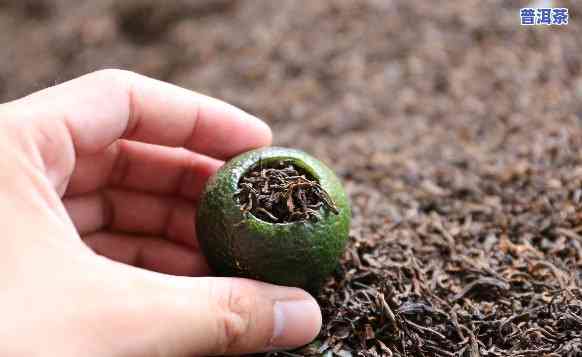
(282, 193)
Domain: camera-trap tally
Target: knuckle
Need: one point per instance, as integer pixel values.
(121, 168)
(112, 74)
(235, 317)
(113, 78)
(119, 81)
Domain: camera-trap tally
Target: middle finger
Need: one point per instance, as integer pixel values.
(143, 167)
(134, 212)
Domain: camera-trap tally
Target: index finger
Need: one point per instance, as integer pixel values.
(107, 105)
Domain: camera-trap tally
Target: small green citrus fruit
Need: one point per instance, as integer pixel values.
(293, 241)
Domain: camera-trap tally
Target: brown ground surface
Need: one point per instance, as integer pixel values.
(458, 134)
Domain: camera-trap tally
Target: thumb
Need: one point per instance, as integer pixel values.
(215, 316)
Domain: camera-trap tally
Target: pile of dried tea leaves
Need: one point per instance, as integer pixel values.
(456, 132)
(282, 193)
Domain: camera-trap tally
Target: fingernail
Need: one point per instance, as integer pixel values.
(297, 322)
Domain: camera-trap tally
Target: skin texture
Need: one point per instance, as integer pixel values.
(300, 254)
(99, 180)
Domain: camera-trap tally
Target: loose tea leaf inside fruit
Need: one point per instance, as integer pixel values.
(281, 192)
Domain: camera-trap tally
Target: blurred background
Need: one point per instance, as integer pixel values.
(378, 85)
(397, 95)
(437, 115)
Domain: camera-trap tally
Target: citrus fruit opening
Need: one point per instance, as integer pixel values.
(282, 191)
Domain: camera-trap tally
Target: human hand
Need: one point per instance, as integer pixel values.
(115, 161)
